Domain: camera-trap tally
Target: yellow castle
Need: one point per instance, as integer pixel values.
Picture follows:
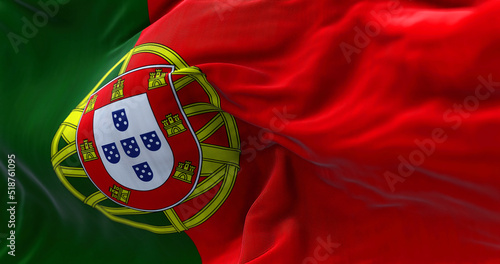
(91, 104)
(173, 125)
(88, 150)
(184, 172)
(157, 79)
(120, 194)
(117, 92)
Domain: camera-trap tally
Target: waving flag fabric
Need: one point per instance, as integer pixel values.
(250, 132)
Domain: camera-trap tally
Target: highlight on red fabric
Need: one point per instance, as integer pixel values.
(369, 129)
(158, 8)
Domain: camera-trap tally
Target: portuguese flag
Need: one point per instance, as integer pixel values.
(233, 131)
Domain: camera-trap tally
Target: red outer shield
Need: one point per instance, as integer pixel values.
(136, 143)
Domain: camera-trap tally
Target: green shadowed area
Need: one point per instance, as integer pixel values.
(50, 58)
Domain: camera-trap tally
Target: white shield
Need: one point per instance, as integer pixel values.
(141, 120)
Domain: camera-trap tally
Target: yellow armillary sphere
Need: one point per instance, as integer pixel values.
(145, 147)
